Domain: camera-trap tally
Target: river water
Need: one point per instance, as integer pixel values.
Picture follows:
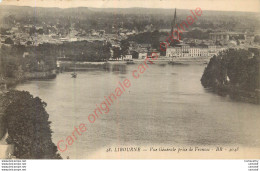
(166, 105)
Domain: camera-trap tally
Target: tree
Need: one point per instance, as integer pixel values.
(116, 52)
(9, 41)
(106, 54)
(196, 34)
(29, 43)
(238, 42)
(155, 36)
(28, 126)
(135, 55)
(124, 47)
(257, 39)
(212, 73)
(9, 69)
(242, 71)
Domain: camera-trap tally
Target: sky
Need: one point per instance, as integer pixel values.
(219, 5)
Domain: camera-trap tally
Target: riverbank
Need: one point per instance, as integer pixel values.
(40, 75)
(12, 82)
(85, 66)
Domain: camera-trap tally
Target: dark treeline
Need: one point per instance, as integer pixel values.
(17, 58)
(233, 69)
(196, 34)
(78, 51)
(152, 38)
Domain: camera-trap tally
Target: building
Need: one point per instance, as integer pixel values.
(204, 52)
(226, 36)
(212, 50)
(145, 46)
(153, 54)
(218, 36)
(173, 51)
(184, 50)
(128, 57)
(142, 55)
(180, 50)
(194, 51)
(165, 30)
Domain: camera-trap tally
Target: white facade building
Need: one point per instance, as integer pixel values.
(204, 52)
(194, 52)
(187, 51)
(142, 55)
(173, 51)
(128, 57)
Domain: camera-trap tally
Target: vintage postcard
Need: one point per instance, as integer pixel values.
(123, 79)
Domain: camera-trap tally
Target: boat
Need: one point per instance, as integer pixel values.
(130, 62)
(162, 64)
(175, 63)
(74, 75)
(172, 62)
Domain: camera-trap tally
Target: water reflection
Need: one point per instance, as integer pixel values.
(117, 68)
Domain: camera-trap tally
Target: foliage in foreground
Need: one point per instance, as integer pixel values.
(28, 126)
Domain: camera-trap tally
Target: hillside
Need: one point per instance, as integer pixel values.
(105, 18)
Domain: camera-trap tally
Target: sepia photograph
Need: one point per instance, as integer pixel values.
(121, 79)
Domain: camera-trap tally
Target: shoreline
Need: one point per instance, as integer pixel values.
(12, 82)
(84, 66)
(159, 60)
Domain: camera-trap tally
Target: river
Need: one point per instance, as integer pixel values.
(166, 105)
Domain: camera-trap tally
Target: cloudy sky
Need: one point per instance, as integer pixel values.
(222, 5)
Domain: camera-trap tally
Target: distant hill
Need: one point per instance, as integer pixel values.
(84, 10)
(99, 18)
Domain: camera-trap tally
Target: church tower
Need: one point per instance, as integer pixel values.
(173, 23)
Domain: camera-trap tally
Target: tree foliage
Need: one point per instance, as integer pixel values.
(197, 34)
(116, 52)
(148, 38)
(28, 126)
(124, 47)
(234, 68)
(257, 39)
(43, 58)
(9, 41)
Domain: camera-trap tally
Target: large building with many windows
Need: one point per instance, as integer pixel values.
(184, 50)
